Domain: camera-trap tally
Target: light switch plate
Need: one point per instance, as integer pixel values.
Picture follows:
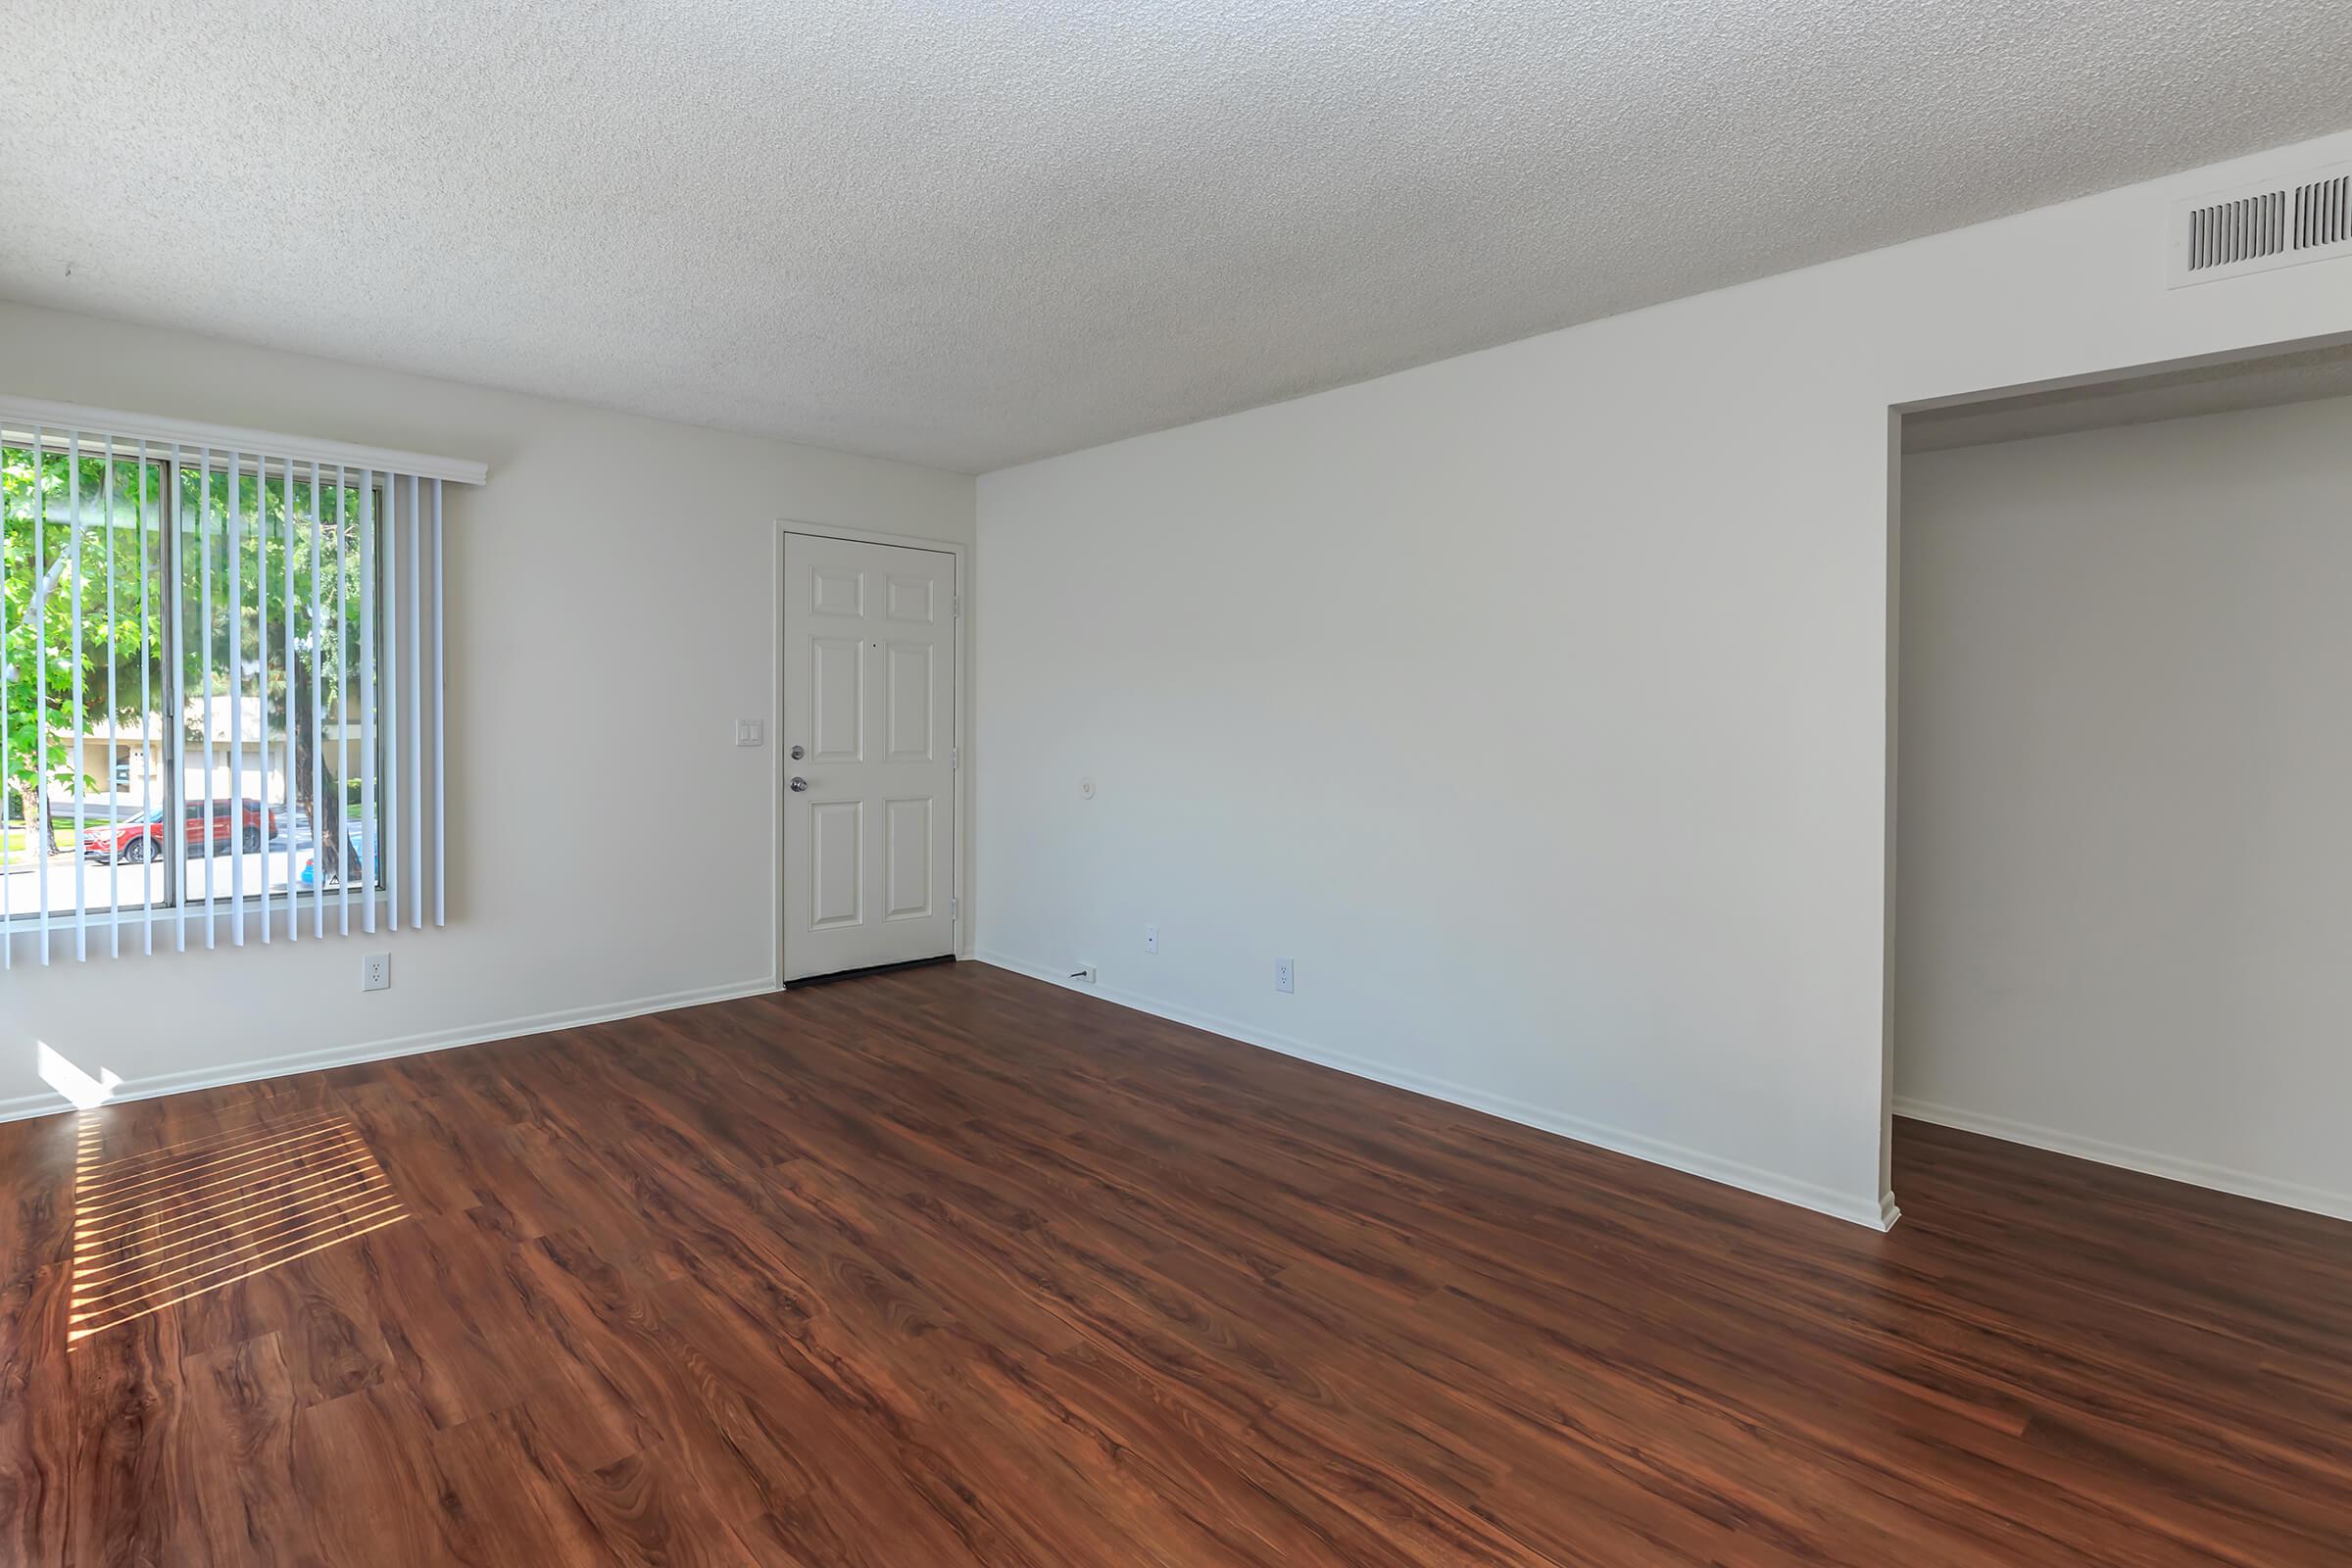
(747, 732)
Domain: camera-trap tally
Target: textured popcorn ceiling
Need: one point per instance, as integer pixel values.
(969, 233)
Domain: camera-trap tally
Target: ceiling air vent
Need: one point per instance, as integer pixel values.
(2253, 229)
(2324, 211)
(2229, 232)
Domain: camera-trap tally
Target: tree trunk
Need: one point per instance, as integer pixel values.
(327, 828)
(37, 821)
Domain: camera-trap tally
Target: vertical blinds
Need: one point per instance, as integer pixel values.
(222, 672)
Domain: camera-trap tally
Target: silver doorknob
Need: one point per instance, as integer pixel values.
(797, 751)
(798, 784)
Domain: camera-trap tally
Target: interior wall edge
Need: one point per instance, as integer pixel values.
(159, 1085)
(2147, 1162)
(1873, 1212)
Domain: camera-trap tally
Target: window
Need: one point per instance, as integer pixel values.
(215, 705)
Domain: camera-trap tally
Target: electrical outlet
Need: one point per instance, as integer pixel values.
(1085, 976)
(376, 972)
(1286, 975)
(1151, 938)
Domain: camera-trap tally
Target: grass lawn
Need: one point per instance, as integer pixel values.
(16, 844)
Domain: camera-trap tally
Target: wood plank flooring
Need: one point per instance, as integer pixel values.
(946, 1266)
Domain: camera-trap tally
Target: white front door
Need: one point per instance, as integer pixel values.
(869, 731)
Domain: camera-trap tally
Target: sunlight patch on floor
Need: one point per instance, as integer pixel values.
(153, 1229)
(84, 1091)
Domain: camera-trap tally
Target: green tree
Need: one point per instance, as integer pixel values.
(53, 576)
(66, 539)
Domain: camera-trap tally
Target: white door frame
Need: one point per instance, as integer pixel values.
(778, 768)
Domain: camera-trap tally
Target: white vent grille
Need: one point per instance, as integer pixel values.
(2227, 232)
(2306, 217)
(2324, 211)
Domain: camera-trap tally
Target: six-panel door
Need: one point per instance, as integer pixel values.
(870, 697)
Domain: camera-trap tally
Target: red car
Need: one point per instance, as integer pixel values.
(142, 838)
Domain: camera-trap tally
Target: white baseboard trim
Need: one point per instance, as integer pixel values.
(244, 1072)
(2148, 1162)
(1875, 1213)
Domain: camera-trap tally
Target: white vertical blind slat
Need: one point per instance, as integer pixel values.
(176, 709)
(373, 855)
(317, 736)
(79, 762)
(261, 711)
(286, 720)
(114, 729)
(415, 830)
(440, 731)
(389, 670)
(40, 681)
(343, 661)
(203, 645)
(146, 708)
(237, 706)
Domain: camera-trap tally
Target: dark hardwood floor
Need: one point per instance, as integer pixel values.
(947, 1266)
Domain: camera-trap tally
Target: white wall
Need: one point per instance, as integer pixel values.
(612, 600)
(2126, 797)
(1536, 701)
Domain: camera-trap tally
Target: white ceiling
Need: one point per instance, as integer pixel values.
(977, 232)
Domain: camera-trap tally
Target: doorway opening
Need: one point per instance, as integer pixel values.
(2121, 840)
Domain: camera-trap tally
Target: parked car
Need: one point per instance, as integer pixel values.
(141, 839)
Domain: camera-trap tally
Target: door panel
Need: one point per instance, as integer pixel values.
(908, 873)
(870, 696)
(836, 845)
(912, 599)
(912, 731)
(837, 593)
(835, 699)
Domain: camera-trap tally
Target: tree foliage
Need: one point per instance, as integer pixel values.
(265, 588)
